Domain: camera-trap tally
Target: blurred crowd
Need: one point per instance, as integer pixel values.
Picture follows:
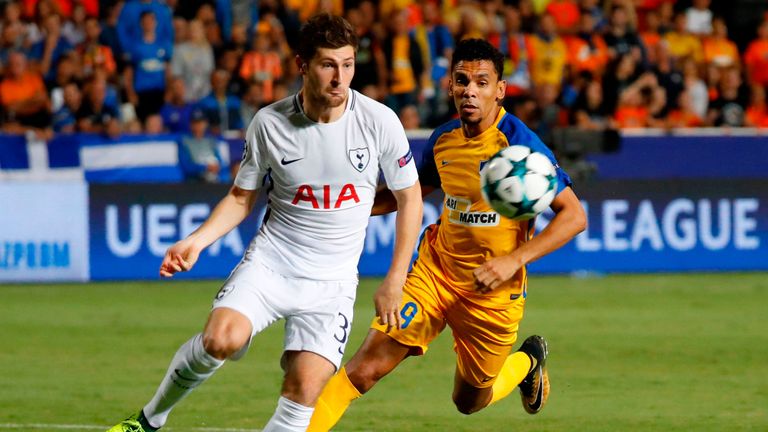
(153, 66)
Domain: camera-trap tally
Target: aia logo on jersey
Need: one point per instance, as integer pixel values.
(359, 158)
(323, 198)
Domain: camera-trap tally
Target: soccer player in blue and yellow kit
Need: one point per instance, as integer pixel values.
(470, 272)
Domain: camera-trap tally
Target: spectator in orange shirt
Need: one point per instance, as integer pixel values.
(757, 112)
(93, 54)
(587, 50)
(718, 50)
(641, 104)
(34, 9)
(756, 57)
(684, 116)
(64, 7)
(631, 113)
(644, 7)
(23, 97)
(566, 15)
(262, 66)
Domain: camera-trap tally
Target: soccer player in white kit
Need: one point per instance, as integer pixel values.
(319, 153)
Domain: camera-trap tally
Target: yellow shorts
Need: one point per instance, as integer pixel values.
(483, 337)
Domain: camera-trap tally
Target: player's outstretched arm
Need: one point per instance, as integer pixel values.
(227, 214)
(569, 220)
(407, 226)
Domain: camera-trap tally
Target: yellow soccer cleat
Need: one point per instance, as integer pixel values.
(534, 389)
(131, 424)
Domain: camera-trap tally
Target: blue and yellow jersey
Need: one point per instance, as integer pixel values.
(469, 232)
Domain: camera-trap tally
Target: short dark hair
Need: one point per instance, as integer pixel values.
(478, 49)
(325, 31)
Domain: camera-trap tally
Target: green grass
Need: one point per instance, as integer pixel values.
(627, 353)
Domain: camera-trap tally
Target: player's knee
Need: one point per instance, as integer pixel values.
(221, 346)
(470, 400)
(303, 390)
(466, 407)
(298, 392)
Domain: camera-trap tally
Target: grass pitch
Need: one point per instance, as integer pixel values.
(627, 353)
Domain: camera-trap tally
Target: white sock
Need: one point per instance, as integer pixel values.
(189, 368)
(289, 417)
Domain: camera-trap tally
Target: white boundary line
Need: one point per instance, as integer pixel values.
(97, 427)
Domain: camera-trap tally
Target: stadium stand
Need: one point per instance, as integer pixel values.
(575, 68)
(664, 100)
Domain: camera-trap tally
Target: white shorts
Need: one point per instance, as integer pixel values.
(318, 314)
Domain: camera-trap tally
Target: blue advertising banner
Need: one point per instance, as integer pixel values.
(659, 226)
(637, 227)
(131, 226)
(643, 226)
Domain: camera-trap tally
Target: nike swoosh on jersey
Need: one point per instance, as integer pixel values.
(288, 162)
(445, 162)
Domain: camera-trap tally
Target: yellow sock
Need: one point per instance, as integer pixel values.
(333, 401)
(515, 368)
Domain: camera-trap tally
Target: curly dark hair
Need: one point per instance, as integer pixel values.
(478, 49)
(325, 31)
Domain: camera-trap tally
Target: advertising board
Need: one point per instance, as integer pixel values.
(43, 231)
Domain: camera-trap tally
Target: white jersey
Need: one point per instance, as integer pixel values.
(322, 179)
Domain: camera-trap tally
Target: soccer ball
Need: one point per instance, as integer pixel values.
(518, 182)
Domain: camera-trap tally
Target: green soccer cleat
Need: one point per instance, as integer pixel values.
(131, 424)
(534, 389)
